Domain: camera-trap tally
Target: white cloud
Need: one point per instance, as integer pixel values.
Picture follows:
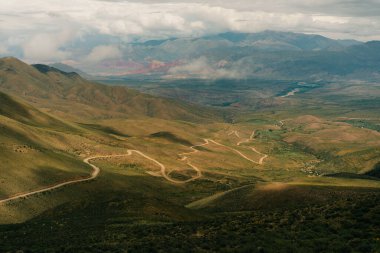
(3, 50)
(343, 8)
(43, 30)
(205, 69)
(48, 46)
(176, 18)
(104, 52)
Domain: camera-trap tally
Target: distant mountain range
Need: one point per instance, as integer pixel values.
(264, 55)
(265, 41)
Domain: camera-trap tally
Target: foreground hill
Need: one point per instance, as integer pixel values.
(342, 220)
(32, 148)
(69, 93)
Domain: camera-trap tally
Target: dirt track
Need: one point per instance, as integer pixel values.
(93, 175)
(163, 173)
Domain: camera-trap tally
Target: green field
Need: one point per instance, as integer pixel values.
(263, 174)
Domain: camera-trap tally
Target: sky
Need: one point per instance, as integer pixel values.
(84, 31)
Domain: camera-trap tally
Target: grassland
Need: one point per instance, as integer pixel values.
(315, 220)
(276, 179)
(222, 168)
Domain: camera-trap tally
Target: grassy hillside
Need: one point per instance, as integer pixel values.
(270, 196)
(72, 95)
(18, 110)
(32, 151)
(195, 183)
(330, 220)
(222, 168)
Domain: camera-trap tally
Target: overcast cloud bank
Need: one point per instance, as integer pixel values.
(93, 30)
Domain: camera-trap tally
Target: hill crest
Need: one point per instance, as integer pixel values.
(69, 93)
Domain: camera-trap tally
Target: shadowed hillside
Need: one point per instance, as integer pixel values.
(32, 148)
(20, 111)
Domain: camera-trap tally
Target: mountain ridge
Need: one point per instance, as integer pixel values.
(42, 84)
(68, 69)
(267, 55)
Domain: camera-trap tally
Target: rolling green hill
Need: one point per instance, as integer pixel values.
(72, 95)
(22, 112)
(173, 175)
(32, 150)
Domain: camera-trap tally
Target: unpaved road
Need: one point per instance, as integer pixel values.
(163, 173)
(260, 162)
(96, 172)
(251, 138)
(93, 175)
(236, 133)
(163, 168)
(246, 140)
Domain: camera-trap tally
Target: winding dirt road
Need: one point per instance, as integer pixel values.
(260, 162)
(236, 133)
(247, 140)
(93, 175)
(163, 168)
(251, 138)
(96, 172)
(184, 157)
